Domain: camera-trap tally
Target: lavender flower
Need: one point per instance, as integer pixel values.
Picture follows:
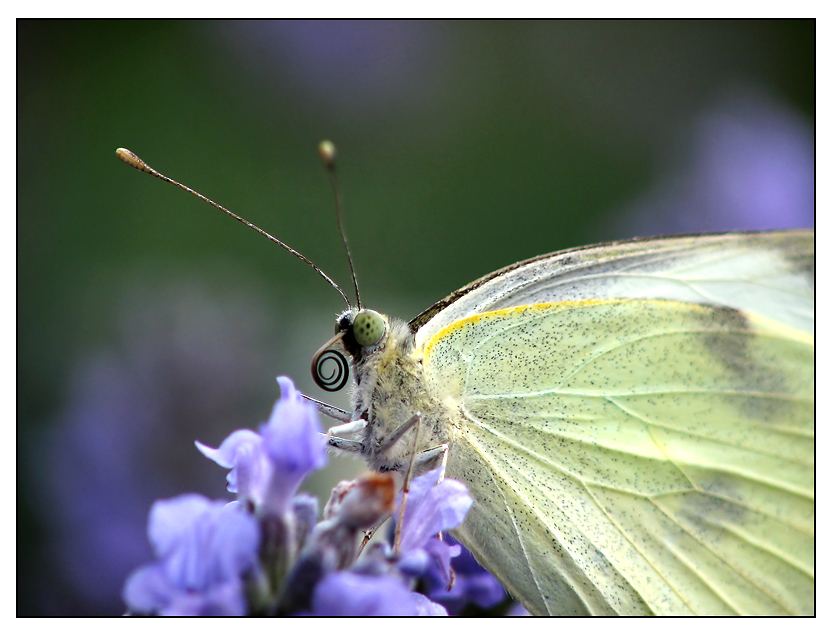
(473, 584)
(204, 548)
(267, 468)
(265, 554)
(380, 583)
(431, 508)
(333, 544)
(351, 594)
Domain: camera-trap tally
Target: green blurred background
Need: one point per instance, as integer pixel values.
(146, 319)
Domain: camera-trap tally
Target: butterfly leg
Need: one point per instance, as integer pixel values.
(427, 456)
(370, 532)
(327, 409)
(342, 444)
(413, 421)
(417, 460)
(348, 428)
(444, 450)
(346, 445)
(397, 434)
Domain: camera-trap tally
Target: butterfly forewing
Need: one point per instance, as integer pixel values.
(770, 274)
(633, 456)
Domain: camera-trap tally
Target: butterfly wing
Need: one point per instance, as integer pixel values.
(769, 273)
(645, 455)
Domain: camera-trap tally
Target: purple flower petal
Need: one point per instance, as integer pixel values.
(426, 607)
(267, 468)
(148, 589)
(170, 519)
(212, 551)
(349, 594)
(472, 583)
(481, 589)
(204, 548)
(414, 563)
(243, 452)
(292, 435)
(293, 442)
(226, 454)
(224, 599)
(432, 508)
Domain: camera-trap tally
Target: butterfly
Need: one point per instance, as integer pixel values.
(634, 420)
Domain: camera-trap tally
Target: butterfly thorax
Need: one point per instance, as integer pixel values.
(389, 389)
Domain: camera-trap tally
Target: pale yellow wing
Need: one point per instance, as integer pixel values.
(767, 273)
(635, 456)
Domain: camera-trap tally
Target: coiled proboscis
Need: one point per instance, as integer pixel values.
(336, 380)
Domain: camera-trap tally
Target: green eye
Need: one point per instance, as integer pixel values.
(368, 327)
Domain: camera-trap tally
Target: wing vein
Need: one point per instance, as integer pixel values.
(643, 338)
(506, 480)
(719, 556)
(702, 543)
(651, 423)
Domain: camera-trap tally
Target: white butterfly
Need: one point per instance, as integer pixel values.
(635, 420)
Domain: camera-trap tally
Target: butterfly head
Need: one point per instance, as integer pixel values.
(358, 331)
(360, 328)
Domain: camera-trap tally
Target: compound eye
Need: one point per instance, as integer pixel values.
(367, 327)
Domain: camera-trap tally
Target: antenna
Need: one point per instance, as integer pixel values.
(132, 159)
(326, 149)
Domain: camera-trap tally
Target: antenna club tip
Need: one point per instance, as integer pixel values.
(132, 159)
(326, 150)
